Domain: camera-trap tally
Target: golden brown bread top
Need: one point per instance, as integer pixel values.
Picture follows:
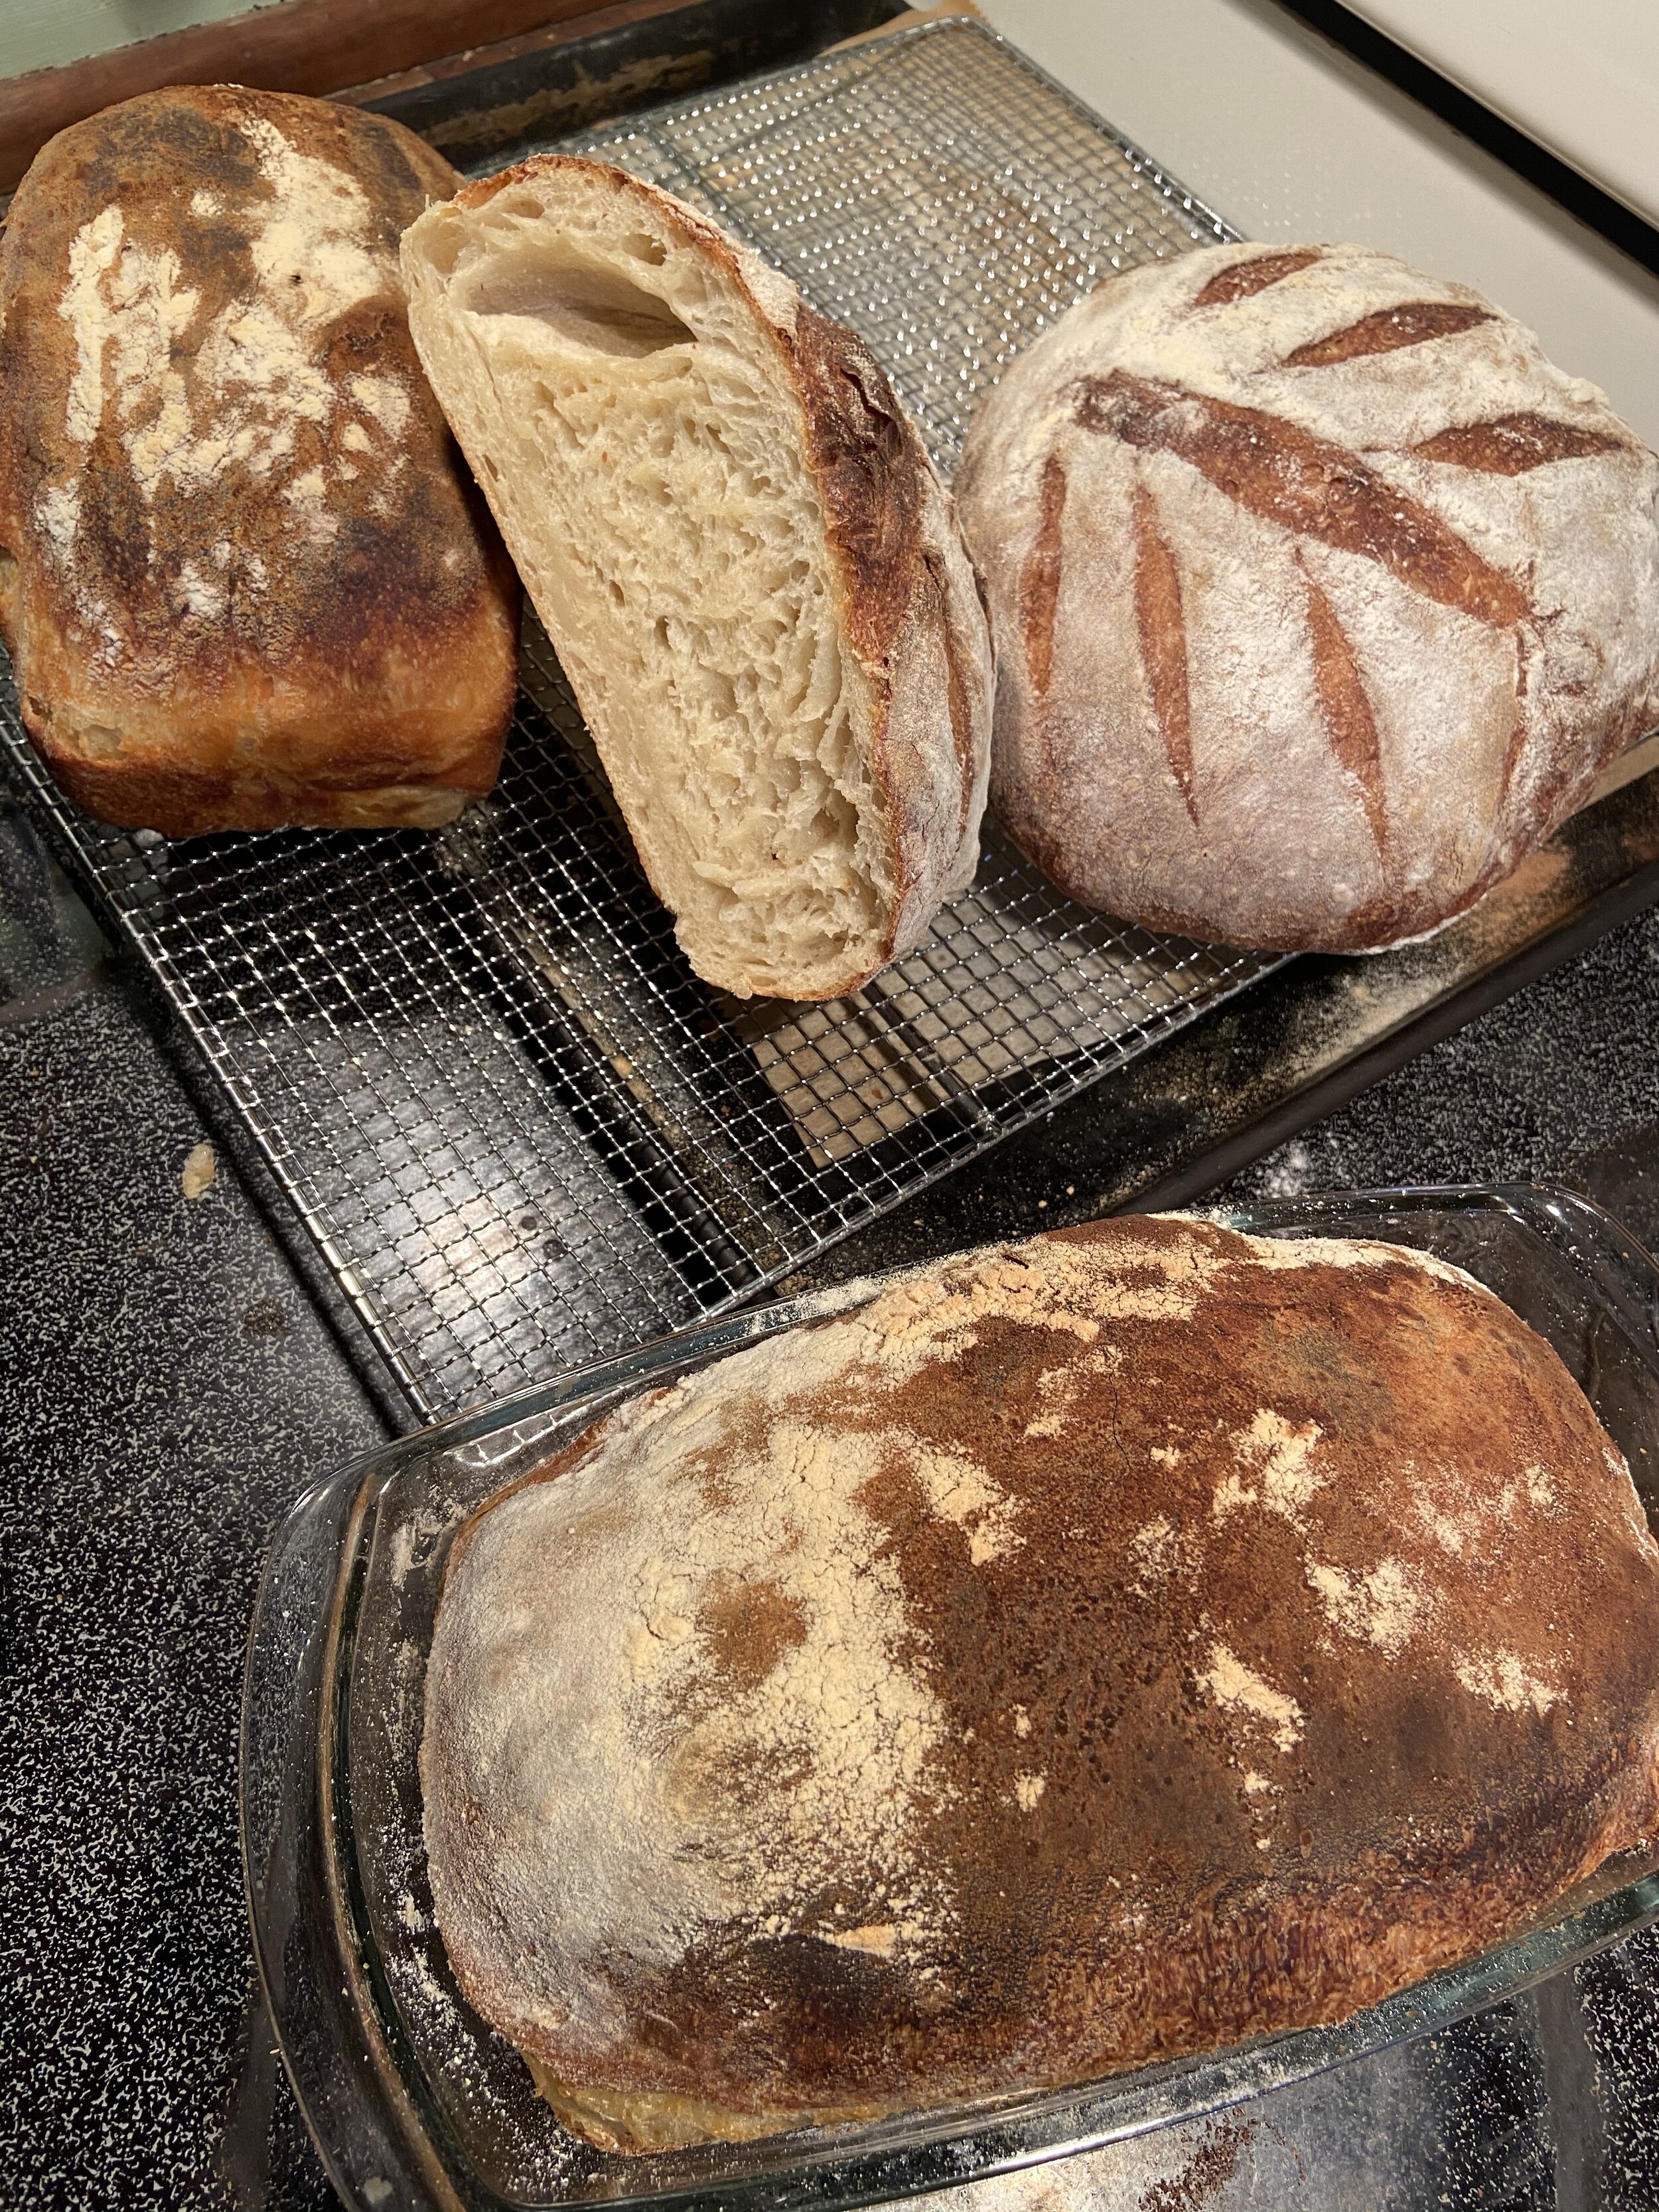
(1093, 1650)
(232, 508)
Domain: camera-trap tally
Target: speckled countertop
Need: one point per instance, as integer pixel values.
(168, 1385)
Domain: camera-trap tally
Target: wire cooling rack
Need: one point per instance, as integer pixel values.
(521, 1132)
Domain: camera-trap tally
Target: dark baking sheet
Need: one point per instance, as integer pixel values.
(499, 1105)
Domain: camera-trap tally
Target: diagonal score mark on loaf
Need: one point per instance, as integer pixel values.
(1039, 580)
(1513, 444)
(1163, 631)
(1349, 722)
(1305, 484)
(1246, 278)
(1388, 331)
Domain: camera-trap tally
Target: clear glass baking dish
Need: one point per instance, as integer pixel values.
(415, 2103)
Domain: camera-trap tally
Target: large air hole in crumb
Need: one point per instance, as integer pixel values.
(585, 304)
(443, 247)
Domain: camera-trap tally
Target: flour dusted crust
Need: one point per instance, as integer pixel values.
(243, 577)
(1092, 1650)
(752, 575)
(1320, 596)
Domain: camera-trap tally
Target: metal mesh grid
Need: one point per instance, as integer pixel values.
(521, 1131)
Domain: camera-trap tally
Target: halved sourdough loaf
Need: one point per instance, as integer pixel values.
(751, 571)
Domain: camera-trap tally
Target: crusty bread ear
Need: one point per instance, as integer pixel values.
(742, 554)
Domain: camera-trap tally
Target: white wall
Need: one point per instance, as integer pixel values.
(1581, 79)
(34, 33)
(1291, 141)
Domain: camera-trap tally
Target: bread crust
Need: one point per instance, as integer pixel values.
(1094, 1650)
(1409, 606)
(250, 583)
(908, 603)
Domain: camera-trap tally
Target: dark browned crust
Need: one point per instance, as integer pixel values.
(938, 606)
(1161, 630)
(869, 463)
(1388, 331)
(385, 662)
(1303, 483)
(1039, 578)
(1513, 444)
(1244, 279)
(1349, 722)
(887, 517)
(1408, 1826)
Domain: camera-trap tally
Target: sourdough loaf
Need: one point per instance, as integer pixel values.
(243, 576)
(740, 548)
(1090, 1651)
(1320, 596)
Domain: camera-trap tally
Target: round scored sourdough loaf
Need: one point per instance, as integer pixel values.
(1089, 1651)
(1320, 596)
(741, 550)
(245, 580)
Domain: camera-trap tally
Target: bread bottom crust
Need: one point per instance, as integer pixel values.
(636, 2120)
(198, 807)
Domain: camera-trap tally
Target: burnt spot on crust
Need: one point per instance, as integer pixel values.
(1246, 278)
(1304, 483)
(1388, 331)
(1349, 722)
(1513, 444)
(1039, 578)
(1162, 628)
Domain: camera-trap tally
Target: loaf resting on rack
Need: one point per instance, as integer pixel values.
(243, 575)
(1100, 1649)
(1320, 597)
(752, 574)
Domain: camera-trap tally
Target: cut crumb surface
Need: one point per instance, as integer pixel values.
(201, 1166)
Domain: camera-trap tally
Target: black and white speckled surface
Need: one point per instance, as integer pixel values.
(1543, 1086)
(166, 1387)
